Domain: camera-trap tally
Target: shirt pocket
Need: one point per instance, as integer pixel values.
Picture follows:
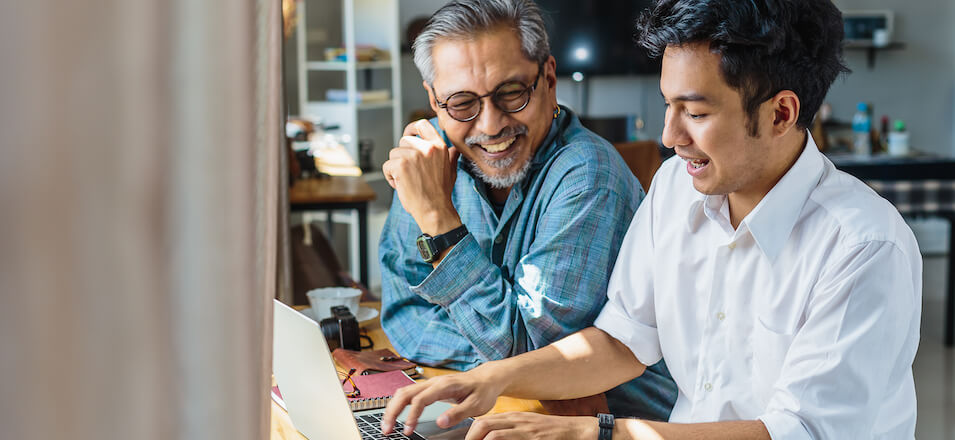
(770, 346)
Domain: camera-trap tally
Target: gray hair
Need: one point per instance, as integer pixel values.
(463, 19)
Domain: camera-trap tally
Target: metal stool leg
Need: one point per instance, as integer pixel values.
(950, 285)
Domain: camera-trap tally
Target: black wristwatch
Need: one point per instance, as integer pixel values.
(605, 422)
(430, 247)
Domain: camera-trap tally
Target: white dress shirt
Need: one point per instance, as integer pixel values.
(805, 317)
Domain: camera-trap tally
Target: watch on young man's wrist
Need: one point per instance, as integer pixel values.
(605, 423)
(431, 247)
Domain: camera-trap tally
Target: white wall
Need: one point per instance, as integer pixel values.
(616, 96)
(915, 84)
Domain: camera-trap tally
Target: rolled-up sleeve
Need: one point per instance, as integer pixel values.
(629, 314)
(461, 268)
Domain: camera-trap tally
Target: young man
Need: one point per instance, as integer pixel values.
(517, 237)
(783, 294)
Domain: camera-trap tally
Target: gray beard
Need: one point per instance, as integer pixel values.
(501, 181)
(507, 180)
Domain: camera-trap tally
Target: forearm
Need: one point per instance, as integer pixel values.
(585, 363)
(418, 329)
(420, 332)
(502, 317)
(635, 429)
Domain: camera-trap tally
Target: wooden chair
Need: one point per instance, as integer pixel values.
(643, 158)
(314, 265)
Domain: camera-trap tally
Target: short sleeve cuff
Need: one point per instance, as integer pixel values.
(641, 339)
(784, 426)
(462, 267)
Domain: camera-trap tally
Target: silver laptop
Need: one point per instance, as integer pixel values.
(306, 375)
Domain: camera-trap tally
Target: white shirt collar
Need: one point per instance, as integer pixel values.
(772, 220)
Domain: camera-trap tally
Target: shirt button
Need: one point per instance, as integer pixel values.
(499, 239)
(721, 316)
(732, 245)
(708, 387)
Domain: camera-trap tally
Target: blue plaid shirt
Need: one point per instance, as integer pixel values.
(521, 280)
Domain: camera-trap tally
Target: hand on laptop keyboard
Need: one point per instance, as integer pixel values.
(474, 390)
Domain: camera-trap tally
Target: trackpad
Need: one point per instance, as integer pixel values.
(430, 430)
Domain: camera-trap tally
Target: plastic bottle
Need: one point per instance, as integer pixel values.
(861, 126)
(899, 140)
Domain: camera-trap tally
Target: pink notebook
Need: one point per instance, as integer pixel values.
(376, 389)
(277, 397)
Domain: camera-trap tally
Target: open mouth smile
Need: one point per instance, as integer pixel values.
(696, 166)
(498, 147)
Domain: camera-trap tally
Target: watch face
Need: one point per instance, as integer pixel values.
(424, 247)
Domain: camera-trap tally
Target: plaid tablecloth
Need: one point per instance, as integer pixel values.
(918, 197)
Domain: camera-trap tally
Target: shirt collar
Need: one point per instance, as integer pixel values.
(772, 220)
(556, 133)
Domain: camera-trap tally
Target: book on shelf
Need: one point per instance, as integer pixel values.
(366, 96)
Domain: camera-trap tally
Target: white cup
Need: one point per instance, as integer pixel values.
(322, 300)
(899, 143)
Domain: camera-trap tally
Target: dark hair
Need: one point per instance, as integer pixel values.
(766, 46)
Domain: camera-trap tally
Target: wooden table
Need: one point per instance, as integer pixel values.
(337, 193)
(282, 428)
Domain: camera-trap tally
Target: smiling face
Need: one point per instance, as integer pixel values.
(500, 144)
(707, 126)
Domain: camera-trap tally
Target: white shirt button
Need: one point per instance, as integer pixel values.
(708, 387)
(721, 316)
(732, 245)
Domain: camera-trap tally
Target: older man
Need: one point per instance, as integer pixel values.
(508, 213)
(783, 293)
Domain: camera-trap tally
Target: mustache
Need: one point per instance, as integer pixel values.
(507, 132)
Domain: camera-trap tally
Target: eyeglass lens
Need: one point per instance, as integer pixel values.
(509, 97)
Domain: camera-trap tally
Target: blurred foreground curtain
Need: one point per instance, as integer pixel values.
(140, 200)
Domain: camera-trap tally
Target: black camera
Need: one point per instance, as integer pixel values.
(341, 330)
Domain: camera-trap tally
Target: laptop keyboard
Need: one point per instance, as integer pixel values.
(370, 427)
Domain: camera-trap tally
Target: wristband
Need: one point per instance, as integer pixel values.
(605, 423)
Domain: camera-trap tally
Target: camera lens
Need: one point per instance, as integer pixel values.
(332, 332)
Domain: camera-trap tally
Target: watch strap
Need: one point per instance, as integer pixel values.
(430, 247)
(605, 423)
(448, 239)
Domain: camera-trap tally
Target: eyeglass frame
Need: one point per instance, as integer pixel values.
(355, 392)
(480, 98)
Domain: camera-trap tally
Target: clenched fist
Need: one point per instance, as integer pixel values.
(422, 170)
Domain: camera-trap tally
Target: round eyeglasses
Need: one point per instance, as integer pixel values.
(509, 97)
